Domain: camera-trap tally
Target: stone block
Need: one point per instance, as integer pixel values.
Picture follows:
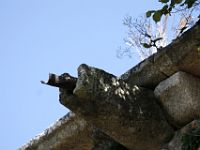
(72, 133)
(179, 96)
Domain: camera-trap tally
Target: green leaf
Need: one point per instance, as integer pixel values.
(172, 4)
(165, 9)
(148, 13)
(178, 1)
(164, 1)
(157, 16)
(198, 49)
(190, 3)
(145, 45)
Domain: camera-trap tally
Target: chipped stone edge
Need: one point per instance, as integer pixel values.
(45, 135)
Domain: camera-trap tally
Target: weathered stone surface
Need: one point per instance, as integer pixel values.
(179, 97)
(102, 141)
(72, 133)
(65, 81)
(187, 138)
(127, 113)
(181, 54)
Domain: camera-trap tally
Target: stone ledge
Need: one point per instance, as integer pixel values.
(72, 133)
(181, 54)
(64, 134)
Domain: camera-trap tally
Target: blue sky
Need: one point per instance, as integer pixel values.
(42, 36)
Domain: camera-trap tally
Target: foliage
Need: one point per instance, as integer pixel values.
(191, 141)
(144, 35)
(170, 6)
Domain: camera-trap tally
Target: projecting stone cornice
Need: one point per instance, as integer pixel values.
(111, 110)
